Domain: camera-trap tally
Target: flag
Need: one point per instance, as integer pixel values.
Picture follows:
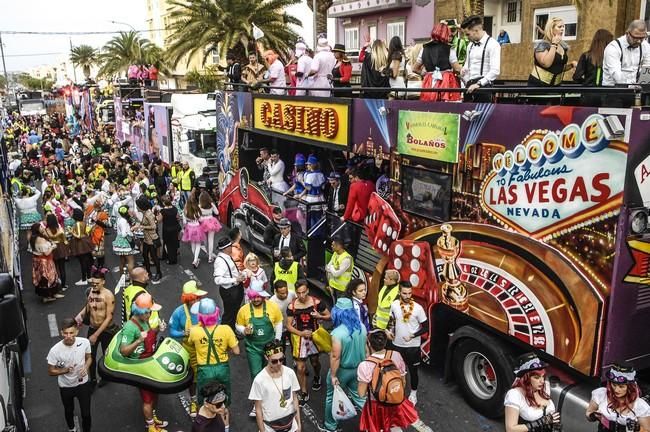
(257, 32)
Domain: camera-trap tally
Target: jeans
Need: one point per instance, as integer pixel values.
(82, 393)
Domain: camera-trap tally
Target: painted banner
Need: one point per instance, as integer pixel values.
(428, 135)
(554, 182)
(306, 120)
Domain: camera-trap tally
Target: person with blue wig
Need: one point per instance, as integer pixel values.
(348, 351)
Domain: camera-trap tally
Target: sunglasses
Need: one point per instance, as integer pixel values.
(277, 360)
(618, 379)
(216, 404)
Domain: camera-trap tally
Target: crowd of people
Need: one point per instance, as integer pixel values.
(456, 56)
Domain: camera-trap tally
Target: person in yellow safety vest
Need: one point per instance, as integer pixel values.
(339, 269)
(139, 282)
(387, 295)
(187, 177)
(175, 170)
(16, 186)
(287, 269)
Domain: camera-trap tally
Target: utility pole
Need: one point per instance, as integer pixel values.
(74, 68)
(4, 66)
(315, 20)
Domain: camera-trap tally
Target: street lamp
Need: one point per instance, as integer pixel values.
(126, 24)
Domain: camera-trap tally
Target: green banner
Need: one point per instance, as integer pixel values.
(428, 135)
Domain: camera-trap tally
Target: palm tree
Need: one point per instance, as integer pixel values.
(203, 26)
(322, 6)
(123, 50)
(84, 56)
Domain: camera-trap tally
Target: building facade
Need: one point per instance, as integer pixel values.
(522, 18)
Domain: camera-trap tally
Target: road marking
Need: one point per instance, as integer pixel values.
(311, 416)
(192, 276)
(54, 327)
(120, 283)
(185, 403)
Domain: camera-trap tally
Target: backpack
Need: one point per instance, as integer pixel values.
(387, 384)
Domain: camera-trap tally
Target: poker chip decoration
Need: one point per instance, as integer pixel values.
(414, 262)
(382, 224)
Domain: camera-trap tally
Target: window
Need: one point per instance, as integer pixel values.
(372, 32)
(395, 29)
(512, 12)
(215, 57)
(352, 39)
(568, 14)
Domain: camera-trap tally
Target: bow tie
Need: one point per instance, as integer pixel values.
(477, 43)
(631, 48)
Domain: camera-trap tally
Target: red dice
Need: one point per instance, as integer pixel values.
(382, 224)
(414, 262)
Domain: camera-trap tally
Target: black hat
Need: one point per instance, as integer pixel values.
(339, 48)
(224, 243)
(528, 362)
(620, 374)
(472, 21)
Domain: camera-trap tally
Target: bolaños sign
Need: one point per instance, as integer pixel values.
(428, 135)
(553, 182)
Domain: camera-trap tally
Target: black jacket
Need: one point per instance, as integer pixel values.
(587, 73)
(343, 199)
(296, 245)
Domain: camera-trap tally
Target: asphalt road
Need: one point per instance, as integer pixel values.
(116, 407)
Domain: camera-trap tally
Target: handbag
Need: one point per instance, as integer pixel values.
(322, 339)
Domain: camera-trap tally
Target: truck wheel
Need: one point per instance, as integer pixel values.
(484, 375)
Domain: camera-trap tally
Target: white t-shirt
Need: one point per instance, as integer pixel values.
(265, 389)
(402, 329)
(284, 304)
(73, 356)
(640, 408)
(516, 399)
(276, 73)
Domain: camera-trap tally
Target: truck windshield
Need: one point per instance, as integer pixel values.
(203, 143)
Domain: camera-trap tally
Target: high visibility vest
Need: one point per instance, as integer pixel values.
(340, 283)
(16, 186)
(290, 276)
(175, 172)
(130, 293)
(387, 296)
(186, 180)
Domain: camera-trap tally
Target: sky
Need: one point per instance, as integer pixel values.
(78, 15)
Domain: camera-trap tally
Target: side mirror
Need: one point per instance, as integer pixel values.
(11, 317)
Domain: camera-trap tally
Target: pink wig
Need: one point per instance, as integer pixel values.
(210, 319)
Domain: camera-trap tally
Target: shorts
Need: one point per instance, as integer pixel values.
(411, 355)
(147, 396)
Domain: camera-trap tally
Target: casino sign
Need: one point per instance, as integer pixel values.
(554, 182)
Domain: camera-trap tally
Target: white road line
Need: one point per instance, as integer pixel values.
(121, 282)
(311, 416)
(54, 327)
(191, 274)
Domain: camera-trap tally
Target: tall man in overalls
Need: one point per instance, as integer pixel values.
(260, 321)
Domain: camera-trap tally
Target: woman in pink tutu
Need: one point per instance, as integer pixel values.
(193, 233)
(209, 222)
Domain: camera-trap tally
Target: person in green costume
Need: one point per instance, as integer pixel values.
(348, 351)
(260, 321)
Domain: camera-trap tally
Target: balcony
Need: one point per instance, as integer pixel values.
(348, 8)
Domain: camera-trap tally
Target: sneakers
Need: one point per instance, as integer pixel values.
(316, 385)
(303, 398)
(194, 408)
(252, 413)
(159, 423)
(59, 296)
(81, 283)
(155, 428)
(413, 397)
(155, 279)
(48, 299)
(421, 427)
(64, 288)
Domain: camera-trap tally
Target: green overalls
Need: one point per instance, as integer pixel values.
(263, 333)
(210, 372)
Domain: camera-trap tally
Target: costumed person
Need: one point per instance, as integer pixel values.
(298, 178)
(483, 63)
(276, 173)
(150, 240)
(342, 72)
(212, 416)
(314, 181)
(377, 415)
(275, 393)
(27, 205)
(260, 321)
(211, 342)
(551, 59)
(303, 316)
(339, 269)
(124, 243)
(283, 298)
(357, 291)
(303, 67)
(236, 251)
(257, 279)
(180, 323)
(209, 222)
(139, 342)
(81, 246)
(287, 269)
(618, 407)
(348, 351)
(56, 235)
(44, 275)
(171, 229)
(387, 295)
(439, 61)
(528, 403)
(98, 221)
(192, 232)
(230, 282)
(321, 68)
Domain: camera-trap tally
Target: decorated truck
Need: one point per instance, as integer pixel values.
(521, 227)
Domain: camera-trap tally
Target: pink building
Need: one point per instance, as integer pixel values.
(411, 20)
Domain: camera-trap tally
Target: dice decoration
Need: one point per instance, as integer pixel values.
(382, 224)
(414, 262)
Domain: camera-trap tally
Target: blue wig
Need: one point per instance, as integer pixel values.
(135, 310)
(347, 317)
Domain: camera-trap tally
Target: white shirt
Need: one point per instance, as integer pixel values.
(276, 175)
(640, 408)
(616, 73)
(515, 399)
(336, 198)
(225, 271)
(28, 204)
(265, 389)
(284, 304)
(106, 186)
(276, 75)
(492, 64)
(123, 228)
(73, 356)
(453, 58)
(402, 329)
(304, 66)
(322, 64)
(284, 242)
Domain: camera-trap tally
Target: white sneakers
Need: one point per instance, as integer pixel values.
(81, 283)
(413, 397)
(252, 413)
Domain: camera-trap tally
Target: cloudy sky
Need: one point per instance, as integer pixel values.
(25, 51)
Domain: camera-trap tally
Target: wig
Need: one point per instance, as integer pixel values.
(347, 317)
(523, 382)
(135, 310)
(208, 320)
(633, 393)
(251, 294)
(189, 299)
(441, 33)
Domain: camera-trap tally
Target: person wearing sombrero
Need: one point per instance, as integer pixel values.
(528, 403)
(342, 72)
(437, 62)
(618, 406)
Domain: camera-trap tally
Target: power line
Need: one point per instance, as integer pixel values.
(34, 55)
(12, 32)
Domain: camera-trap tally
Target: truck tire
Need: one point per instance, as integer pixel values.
(484, 374)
